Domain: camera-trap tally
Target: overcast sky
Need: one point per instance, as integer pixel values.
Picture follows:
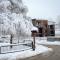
(43, 8)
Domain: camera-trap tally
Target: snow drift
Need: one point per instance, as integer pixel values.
(13, 19)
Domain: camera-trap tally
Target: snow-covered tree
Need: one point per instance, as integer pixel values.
(13, 19)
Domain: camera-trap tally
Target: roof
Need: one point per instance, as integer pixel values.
(34, 28)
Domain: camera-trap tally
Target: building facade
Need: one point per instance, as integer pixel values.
(45, 27)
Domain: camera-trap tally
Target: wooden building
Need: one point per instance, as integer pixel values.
(44, 29)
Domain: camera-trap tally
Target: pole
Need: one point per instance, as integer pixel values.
(33, 43)
(11, 40)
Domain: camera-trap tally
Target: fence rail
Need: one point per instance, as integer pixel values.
(15, 48)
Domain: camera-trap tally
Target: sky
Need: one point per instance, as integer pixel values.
(43, 8)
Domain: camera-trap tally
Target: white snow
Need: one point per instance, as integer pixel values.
(34, 28)
(23, 54)
(57, 32)
(4, 44)
(5, 47)
(45, 42)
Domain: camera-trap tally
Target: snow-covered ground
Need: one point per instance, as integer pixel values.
(22, 50)
(47, 42)
(6, 47)
(24, 54)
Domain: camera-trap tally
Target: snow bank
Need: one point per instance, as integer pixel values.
(21, 55)
(45, 42)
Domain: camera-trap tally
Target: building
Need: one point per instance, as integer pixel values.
(45, 27)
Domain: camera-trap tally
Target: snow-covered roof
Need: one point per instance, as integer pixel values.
(34, 28)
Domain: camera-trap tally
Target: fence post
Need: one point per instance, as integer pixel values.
(34, 43)
(0, 50)
(11, 40)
